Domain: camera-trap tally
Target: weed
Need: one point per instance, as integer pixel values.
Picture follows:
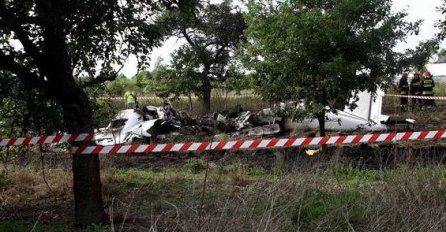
(13, 226)
(154, 180)
(95, 228)
(2, 179)
(196, 165)
(16, 226)
(257, 172)
(330, 211)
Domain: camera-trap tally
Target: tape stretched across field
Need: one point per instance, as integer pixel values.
(221, 145)
(418, 97)
(45, 139)
(261, 143)
(252, 95)
(180, 97)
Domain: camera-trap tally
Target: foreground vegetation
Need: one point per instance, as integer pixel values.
(229, 194)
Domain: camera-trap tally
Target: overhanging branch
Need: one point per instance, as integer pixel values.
(29, 78)
(102, 77)
(15, 24)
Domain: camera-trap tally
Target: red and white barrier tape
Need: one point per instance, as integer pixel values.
(222, 145)
(45, 139)
(181, 97)
(261, 143)
(121, 98)
(241, 96)
(417, 97)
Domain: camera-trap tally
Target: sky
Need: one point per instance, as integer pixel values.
(425, 10)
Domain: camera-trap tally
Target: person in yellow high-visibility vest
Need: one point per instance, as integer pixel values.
(130, 100)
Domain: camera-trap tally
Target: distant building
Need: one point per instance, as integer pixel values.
(438, 69)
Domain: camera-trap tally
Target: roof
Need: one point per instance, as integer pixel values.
(441, 60)
(437, 70)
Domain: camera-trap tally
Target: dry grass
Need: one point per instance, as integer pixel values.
(237, 198)
(28, 185)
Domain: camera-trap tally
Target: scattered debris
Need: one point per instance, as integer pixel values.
(140, 125)
(149, 122)
(312, 152)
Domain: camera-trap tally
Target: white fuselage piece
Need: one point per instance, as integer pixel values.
(125, 127)
(366, 116)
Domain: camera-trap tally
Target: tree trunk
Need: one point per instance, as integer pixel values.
(87, 185)
(207, 89)
(321, 120)
(78, 116)
(207, 96)
(190, 101)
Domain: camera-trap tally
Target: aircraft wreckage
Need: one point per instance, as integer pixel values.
(150, 122)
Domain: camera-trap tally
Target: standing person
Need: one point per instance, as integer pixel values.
(415, 90)
(130, 99)
(428, 89)
(403, 87)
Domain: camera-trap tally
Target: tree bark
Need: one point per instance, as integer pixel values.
(87, 187)
(321, 121)
(207, 90)
(190, 101)
(78, 117)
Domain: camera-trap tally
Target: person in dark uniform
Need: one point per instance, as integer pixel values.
(415, 90)
(428, 85)
(403, 88)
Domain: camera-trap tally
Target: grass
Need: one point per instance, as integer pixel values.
(2, 179)
(17, 226)
(238, 197)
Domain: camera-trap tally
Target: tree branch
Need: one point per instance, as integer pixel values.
(187, 37)
(100, 78)
(219, 51)
(14, 24)
(29, 78)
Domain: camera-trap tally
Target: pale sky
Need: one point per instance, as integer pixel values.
(417, 10)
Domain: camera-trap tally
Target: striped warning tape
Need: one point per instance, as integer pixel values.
(45, 139)
(261, 143)
(251, 95)
(418, 97)
(181, 97)
(121, 98)
(222, 145)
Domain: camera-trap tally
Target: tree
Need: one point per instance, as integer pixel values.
(48, 44)
(321, 52)
(416, 59)
(441, 53)
(212, 33)
(25, 110)
(118, 86)
(441, 24)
